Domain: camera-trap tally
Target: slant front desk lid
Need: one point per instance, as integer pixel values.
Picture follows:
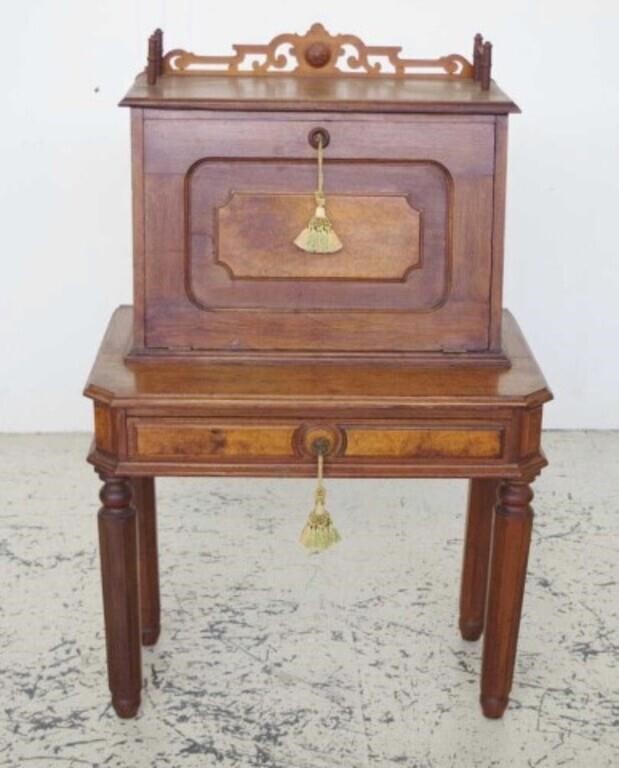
(321, 72)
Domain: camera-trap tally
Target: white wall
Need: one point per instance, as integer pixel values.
(65, 204)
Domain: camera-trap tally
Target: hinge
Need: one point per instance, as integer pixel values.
(453, 349)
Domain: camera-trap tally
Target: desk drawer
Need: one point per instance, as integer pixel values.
(288, 442)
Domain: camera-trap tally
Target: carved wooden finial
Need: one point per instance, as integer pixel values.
(478, 45)
(159, 37)
(486, 66)
(155, 56)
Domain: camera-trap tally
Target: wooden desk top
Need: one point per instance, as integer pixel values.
(325, 386)
(318, 93)
(318, 71)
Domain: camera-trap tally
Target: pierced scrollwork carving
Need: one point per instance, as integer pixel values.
(315, 53)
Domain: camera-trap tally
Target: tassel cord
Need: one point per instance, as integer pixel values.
(318, 236)
(321, 461)
(321, 174)
(319, 532)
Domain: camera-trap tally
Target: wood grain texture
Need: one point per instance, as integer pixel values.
(382, 441)
(244, 352)
(247, 299)
(531, 431)
(473, 588)
(173, 142)
(315, 52)
(340, 397)
(143, 497)
(104, 428)
(139, 225)
(119, 576)
(181, 77)
(208, 189)
(498, 231)
(288, 94)
(256, 232)
(174, 438)
(177, 438)
(239, 388)
(380, 421)
(510, 548)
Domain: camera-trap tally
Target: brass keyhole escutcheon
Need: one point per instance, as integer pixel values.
(321, 446)
(313, 440)
(316, 134)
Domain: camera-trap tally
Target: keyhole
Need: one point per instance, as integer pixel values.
(316, 134)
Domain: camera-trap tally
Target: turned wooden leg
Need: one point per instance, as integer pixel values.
(482, 500)
(119, 576)
(145, 507)
(508, 565)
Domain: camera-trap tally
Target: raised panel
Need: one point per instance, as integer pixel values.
(383, 264)
(380, 237)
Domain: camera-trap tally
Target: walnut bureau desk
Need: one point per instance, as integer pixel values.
(318, 250)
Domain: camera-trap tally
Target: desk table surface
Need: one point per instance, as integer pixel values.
(379, 420)
(303, 385)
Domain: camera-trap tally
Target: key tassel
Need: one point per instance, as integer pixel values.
(319, 532)
(319, 236)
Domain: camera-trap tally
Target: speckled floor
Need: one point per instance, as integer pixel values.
(272, 657)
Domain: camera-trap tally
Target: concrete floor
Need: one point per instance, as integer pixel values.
(273, 657)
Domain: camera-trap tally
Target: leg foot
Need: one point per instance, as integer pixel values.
(471, 631)
(119, 577)
(145, 507)
(510, 548)
(150, 636)
(481, 504)
(493, 708)
(126, 708)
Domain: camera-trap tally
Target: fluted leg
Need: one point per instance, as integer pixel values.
(481, 504)
(145, 507)
(119, 576)
(508, 565)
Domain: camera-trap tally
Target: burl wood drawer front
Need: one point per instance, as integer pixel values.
(160, 439)
(424, 443)
(177, 439)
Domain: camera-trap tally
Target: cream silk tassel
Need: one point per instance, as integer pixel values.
(319, 532)
(318, 236)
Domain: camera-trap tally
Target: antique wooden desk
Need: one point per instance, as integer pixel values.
(243, 352)
(388, 421)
